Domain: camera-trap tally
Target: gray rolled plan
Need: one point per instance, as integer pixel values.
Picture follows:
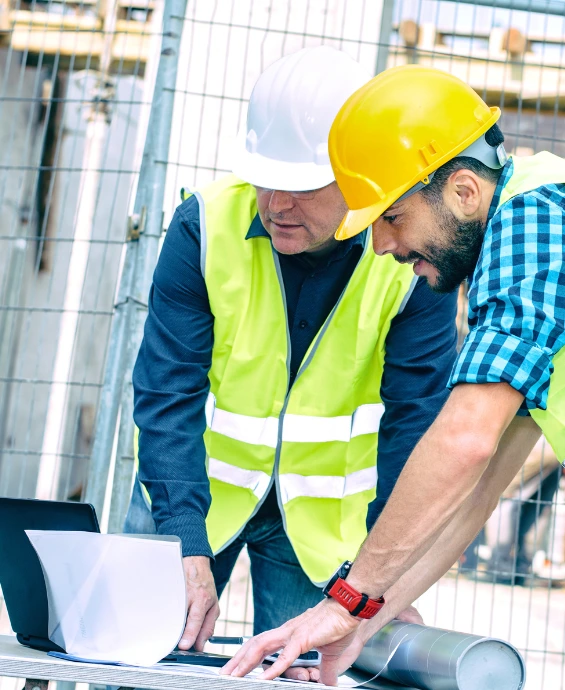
(435, 659)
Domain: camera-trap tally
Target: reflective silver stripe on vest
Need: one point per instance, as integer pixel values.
(321, 486)
(294, 485)
(296, 428)
(255, 480)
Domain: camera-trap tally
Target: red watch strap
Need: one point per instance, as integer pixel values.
(355, 602)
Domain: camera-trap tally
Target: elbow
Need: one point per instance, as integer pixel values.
(472, 452)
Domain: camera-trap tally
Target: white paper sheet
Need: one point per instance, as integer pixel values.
(112, 597)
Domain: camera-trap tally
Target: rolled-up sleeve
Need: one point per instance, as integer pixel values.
(171, 385)
(490, 356)
(517, 298)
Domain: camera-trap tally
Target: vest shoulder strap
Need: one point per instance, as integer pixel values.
(531, 172)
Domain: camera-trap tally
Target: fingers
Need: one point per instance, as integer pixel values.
(410, 615)
(310, 673)
(196, 615)
(288, 655)
(254, 651)
(199, 626)
(329, 670)
(207, 628)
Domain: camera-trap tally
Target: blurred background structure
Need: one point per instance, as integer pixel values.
(103, 120)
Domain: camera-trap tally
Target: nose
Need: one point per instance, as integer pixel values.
(280, 201)
(383, 238)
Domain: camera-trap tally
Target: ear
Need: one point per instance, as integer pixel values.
(463, 193)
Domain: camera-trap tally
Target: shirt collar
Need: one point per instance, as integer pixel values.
(256, 229)
(505, 175)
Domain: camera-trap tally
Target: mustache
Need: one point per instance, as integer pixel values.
(281, 219)
(409, 258)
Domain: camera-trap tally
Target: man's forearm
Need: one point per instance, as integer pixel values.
(517, 442)
(441, 474)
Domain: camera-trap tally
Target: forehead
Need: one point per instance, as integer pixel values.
(404, 204)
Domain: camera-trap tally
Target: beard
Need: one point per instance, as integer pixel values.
(457, 259)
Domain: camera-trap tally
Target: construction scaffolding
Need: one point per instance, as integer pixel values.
(107, 109)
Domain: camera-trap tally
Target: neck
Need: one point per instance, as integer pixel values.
(321, 252)
(486, 200)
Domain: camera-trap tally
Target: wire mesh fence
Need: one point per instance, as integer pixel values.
(75, 96)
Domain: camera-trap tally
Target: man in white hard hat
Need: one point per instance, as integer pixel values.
(274, 357)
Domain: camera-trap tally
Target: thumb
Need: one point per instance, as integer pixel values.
(329, 669)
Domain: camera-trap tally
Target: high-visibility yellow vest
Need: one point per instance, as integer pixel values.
(530, 173)
(318, 441)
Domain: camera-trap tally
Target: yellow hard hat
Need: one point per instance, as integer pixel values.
(397, 129)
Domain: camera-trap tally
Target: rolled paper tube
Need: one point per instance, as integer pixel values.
(436, 659)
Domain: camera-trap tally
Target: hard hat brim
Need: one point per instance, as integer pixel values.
(355, 222)
(269, 173)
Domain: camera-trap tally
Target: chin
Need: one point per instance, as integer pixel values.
(444, 287)
(287, 246)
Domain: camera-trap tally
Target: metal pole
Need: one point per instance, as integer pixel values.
(96, 135)
(555, 7)
(385, 32)
(436, 659)
(127, 324)
(9, 329)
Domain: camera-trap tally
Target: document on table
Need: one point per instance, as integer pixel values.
(112, 597)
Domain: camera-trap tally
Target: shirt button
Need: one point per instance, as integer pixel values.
(303, 324)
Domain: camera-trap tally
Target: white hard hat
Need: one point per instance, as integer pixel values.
(284, 144)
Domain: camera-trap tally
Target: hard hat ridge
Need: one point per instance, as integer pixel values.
(493, 157)
(284, 144)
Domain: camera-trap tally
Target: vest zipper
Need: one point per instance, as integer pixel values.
(274, 475)
(301, 369)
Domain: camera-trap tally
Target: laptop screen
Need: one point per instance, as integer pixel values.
(21, 577)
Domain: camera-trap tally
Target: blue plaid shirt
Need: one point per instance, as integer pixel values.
(517, 295)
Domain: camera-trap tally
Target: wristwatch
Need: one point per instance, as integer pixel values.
(357, 603)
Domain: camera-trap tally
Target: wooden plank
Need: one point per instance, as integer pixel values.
(127, 4)
(540, 88)
(50, 20)
(482, 34)
(23, 19)
(127, 47)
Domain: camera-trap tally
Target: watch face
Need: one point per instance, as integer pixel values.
(331, 583)
(341, 572)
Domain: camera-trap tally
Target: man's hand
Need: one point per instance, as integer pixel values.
(410, 615)
(363, 634)
(327, 627)
(203, 607)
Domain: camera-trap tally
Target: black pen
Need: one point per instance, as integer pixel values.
(228, 640)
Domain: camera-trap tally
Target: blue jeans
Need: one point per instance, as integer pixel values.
(281, 589)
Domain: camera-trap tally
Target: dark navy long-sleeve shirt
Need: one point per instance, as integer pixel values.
(171, 373)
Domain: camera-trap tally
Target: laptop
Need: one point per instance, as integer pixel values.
(21, 577)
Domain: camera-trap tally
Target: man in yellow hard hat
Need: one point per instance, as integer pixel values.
(419, 155)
